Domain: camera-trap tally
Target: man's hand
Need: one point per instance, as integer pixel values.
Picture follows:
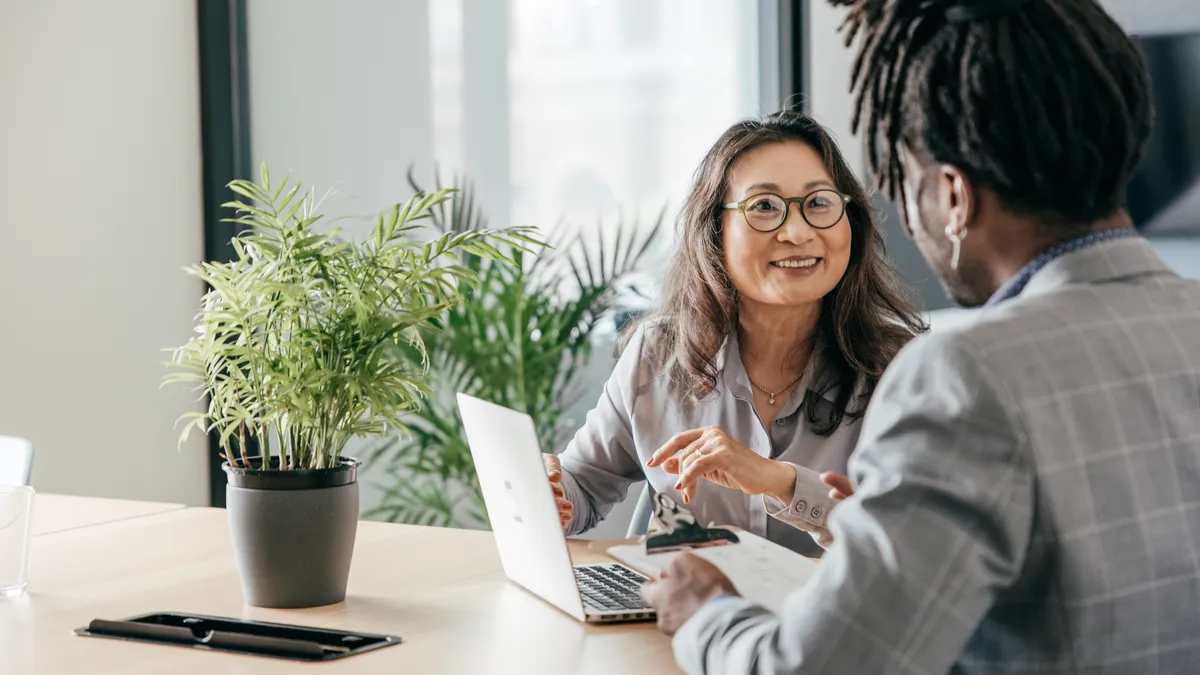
(687, 583)
(711, 454)
(839, 485)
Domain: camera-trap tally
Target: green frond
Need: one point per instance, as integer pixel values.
(296, 337)
(519, 338)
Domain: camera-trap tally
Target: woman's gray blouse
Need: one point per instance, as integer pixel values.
(637, 414)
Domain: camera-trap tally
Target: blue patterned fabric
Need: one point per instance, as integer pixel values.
(1017, 284)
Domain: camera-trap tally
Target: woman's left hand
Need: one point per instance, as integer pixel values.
(711, 454)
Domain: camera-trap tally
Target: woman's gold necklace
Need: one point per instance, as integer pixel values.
(772, 394)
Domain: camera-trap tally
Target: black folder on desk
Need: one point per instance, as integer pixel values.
(242, 637)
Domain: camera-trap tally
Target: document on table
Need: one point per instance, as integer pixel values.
(762, 571)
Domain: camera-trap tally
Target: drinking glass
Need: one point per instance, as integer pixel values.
(16, 509)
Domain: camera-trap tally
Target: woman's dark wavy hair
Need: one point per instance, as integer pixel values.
(864, 320)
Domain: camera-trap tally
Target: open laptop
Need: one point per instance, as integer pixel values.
(520, 504)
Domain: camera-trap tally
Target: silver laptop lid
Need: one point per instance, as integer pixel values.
(520, 503)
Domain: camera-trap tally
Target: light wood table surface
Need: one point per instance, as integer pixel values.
(442, 590)
(55, 513)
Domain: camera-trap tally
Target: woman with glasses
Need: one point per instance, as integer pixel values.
(779, 314)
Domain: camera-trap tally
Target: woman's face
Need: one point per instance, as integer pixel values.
(797, 264)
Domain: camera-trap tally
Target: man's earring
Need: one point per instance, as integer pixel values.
(956, 234)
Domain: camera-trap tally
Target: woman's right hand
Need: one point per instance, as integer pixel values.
(554, 471)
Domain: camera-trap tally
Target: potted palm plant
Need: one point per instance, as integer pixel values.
(521, 339)
(295, 350)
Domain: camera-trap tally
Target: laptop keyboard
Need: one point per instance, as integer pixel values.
(610, 587)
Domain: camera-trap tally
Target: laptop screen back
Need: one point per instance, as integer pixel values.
(519, 501)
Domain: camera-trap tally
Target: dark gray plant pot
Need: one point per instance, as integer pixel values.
(293, 533)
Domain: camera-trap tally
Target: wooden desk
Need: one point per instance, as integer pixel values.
(442, 590)
(55, 513)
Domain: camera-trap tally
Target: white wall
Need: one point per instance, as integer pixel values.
(340, 96)
(100, 207)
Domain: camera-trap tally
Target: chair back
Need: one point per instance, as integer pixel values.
(642, 512)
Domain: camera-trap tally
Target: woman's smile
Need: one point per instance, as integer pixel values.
(798, 266)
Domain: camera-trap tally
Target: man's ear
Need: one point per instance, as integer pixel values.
(956, 196)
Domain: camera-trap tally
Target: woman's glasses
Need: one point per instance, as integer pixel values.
(766, 211)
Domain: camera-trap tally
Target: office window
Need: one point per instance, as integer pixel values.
(585, 111)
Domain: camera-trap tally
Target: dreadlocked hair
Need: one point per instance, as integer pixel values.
(1045, 102)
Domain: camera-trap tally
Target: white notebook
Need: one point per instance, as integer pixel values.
(762, 571)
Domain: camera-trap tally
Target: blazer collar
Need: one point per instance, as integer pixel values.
(1108, 261)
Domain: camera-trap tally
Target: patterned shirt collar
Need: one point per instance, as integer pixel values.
(1014, 286)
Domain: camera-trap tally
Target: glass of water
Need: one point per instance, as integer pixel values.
(16, 510)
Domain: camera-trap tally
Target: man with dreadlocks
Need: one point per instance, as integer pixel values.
(1027, 486)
